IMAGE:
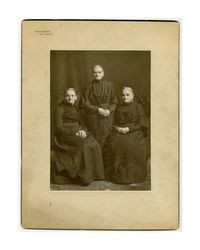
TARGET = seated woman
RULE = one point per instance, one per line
(77, 153)
(127, 161)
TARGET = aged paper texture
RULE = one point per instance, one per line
(44, 208)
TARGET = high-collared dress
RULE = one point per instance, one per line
(99, 94)
(128, 153)
(80, 158)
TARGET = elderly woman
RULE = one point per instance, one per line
(99, 102)
(127, 162)
(77, 153)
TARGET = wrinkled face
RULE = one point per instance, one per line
(71, 96)
(98, 73)
(127, 96)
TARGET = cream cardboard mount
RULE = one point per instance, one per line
(44, 208)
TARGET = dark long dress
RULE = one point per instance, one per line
(127, 161)
(80, 158)
(99, 94)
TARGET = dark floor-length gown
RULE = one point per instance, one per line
(99, 94)
(80, 158)
(127, 158)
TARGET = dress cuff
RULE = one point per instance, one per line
(112, 108)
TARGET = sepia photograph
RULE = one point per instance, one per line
(100, 120)
(100, 103)
(100, 124)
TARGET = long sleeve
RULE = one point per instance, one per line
(142, 121)
(97, 94)
(131, 116)
(112, 107)
(85, 102)
(134, 127)
(81, 120)
(113, 99)
(60, 129)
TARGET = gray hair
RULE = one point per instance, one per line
(128, 88)
(71, 89)
(97, 65)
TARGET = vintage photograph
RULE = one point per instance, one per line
(100, 120)
(100, 145)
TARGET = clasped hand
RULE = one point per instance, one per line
(104, 112)
(81, 133)
(122, 130)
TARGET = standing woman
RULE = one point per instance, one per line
(77, 153)
(127, 162)
(99, 102)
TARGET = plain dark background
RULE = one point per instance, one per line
(73, 69)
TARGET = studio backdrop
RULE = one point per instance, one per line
(122, 68)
